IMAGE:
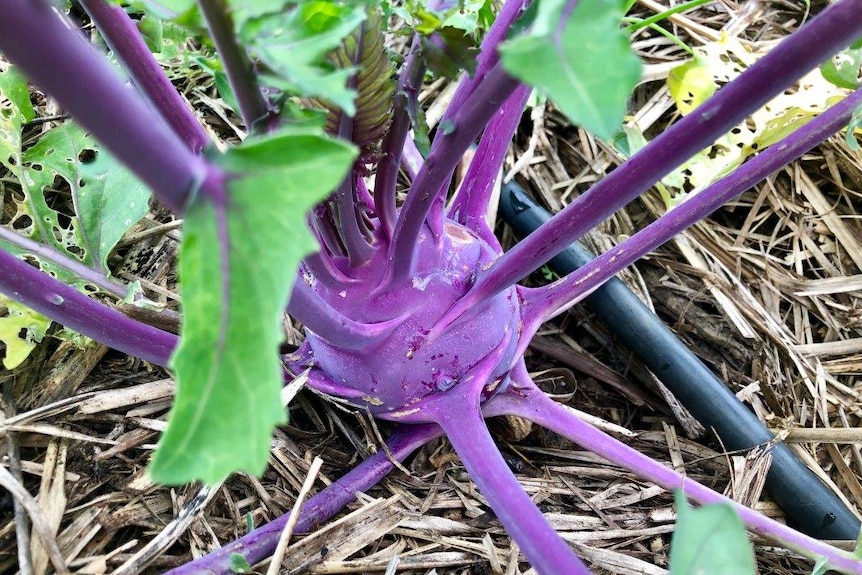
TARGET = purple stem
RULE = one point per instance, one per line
(542, 546)
(66, 305)
(471, 204)
(261, 543)
(324, 320)
(833, 29)
(48, 48)
(544, 303)
(449, 147)
(253, 107)
(488, 57)
(359, 251)
(406, 91)
(83, 271)
(125, 41)
(411, 159)
(524, 399)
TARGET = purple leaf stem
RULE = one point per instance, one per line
(406, 91)
(524, 399)
(835, 27)
(47, 253)
(321, 318)
(261, 543)
(452, 141)
(75, 310)
(35, 36)
(471, 204)
(488, 57)
(411, 159)
(546, 302)
(358, 249)
(320, 265)
(125, 41)
(542, 546)
(253, 107)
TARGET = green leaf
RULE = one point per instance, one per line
(852, 138)
(238, 260)
(457, 52)
(109, 201)
(238, 563)
(844, 69)
(50, 163)
(20, 329)
(14, 103)
(293, 44)
(583, 62)
(821, 567)
(690, 84)
(709, 540)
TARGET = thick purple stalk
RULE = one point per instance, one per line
(253, 107)
(406, 92)
(544, 303)
(832, 30)
(542, 546)
(46, 253)
(452, 141)
(470, 206)
(488, 56)
(66, 305)
(34, 36)
(524, 399)
(125, 41)
(261, 543)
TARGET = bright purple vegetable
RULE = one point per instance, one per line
(413, 312)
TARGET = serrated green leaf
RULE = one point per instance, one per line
(584, 63)
(20, 329)
(364, 52)
(109, 201)
(690, 85)
(237, 264)
(709, 540)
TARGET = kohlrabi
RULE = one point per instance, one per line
(410, 307)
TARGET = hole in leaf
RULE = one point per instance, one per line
(36, 167)
(87, 156)
(22, 222)
(76, 250)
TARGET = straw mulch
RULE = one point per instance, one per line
(768, 292)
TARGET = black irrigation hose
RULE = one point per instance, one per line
(808, 504)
